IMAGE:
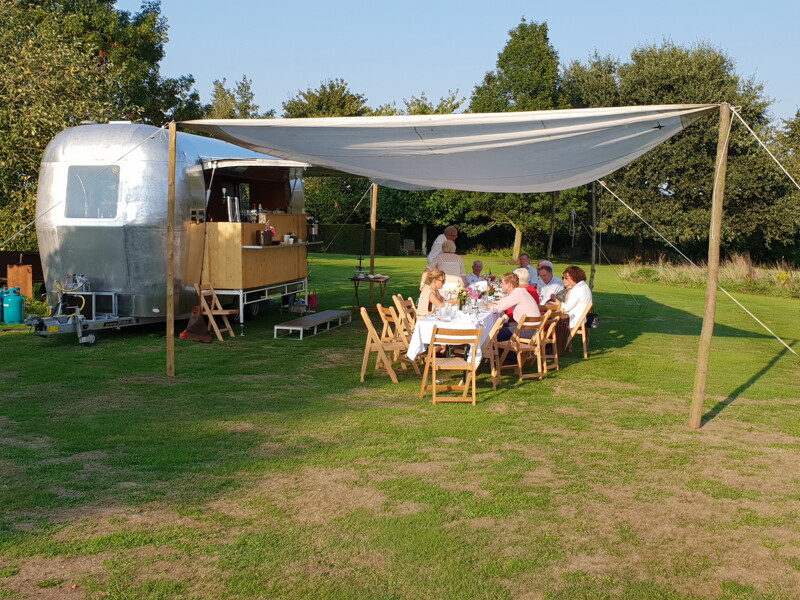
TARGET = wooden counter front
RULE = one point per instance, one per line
(229, 264)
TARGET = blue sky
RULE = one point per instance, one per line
(391, 51)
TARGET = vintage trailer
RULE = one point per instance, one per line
(102, 226)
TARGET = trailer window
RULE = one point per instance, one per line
(92, 192)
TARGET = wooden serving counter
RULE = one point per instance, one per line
(232, 261)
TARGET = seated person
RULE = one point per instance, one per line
(550, 287)
(451, 264)
(518, 299)
(431, 298)
(579, 294)
(523, 282)
(525, 263)
(544, 262)
(477, 267)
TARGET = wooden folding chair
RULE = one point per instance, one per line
(550, 343)
(492, 353)
(213, 309)
(395, 329)
(407, 310)
(374, 344)
(526, 342)
(580, 329)
(434, 364)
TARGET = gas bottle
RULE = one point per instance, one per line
(2, 293)
(13, 306)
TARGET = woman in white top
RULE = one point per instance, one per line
(579, 294)
(451, 264)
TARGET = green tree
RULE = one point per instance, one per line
(526, 78)
(594, 84)
(53, 82)
(238, 103)
(422, 106)
(72, 61)
(332, 98)
(129, 47)
(331, 199)
(671, 185)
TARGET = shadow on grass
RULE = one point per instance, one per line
(625, 317)
(108, 414)
(723, 404)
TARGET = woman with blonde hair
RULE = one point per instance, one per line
(431, 298)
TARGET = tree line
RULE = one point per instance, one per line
(73, 60)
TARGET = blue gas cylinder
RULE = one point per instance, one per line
(13, 306)
(2, 293)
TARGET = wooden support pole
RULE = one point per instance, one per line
(172, 161)
(594, 234)
(373, 224)
(552, 225)
(704, 350)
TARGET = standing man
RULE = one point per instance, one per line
(525, 263)
(549, 286)
(450, 233)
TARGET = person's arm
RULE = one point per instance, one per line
(505, 303)
(424, 278)
(571, 301)
(436, 299)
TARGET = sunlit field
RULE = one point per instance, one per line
(265, 469)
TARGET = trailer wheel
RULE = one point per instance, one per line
(251, 310)
(90, 339)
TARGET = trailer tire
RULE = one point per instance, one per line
(91, 339)
(251, 310)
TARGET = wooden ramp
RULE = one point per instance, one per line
(313, 323)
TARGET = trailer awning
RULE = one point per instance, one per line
(487, 152)
(253, 166)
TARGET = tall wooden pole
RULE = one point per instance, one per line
(173, 146)
(704, 351)
(552, 225)
(594, 234)
(373, 224)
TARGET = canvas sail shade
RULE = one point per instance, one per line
(514, 152)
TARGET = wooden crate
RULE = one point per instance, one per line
(21, 276)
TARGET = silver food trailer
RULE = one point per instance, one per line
(102, 226)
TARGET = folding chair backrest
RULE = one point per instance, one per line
(372, 334)
(393, 327)
(580, 323)
(407, 311)
(445, 335)
(529, 329)
(498, 325)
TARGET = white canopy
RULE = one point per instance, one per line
(492, 152)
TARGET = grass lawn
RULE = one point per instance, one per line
(264, 469)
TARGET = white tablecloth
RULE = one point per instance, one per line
(424, 330)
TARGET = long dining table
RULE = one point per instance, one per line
(423, 330)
